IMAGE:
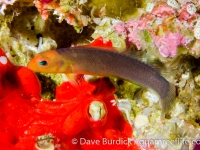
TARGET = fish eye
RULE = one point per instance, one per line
(43, 63)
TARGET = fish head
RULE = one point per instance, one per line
(50, 62)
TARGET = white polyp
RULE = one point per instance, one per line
(2, 8)
(197, 30)
(191, 9)
(45, 142)
(3, 60)
(81, 2)
(97, 20)
(183, 2)
(39, 44)
(10, 2)
(97, 110)
(152, 97)
(185, 76)
(149, 7)
(140, 121)
(179, 108)
(124, 105)
(173, 3)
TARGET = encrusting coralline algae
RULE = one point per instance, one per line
(162, 33)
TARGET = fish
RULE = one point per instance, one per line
(100, 61)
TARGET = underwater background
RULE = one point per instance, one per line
(162, 33)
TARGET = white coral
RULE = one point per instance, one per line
(197, 29)
(191, 9)
(179, 108)
(150, 7)
(3, 4)
(173, 4)
(10, 2)
(124, 105)
(140, 121)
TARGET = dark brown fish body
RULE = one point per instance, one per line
(109, 63)
(104, 62)
(97, 61)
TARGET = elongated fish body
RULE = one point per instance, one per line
(104, 62)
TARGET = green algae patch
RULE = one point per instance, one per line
(5, 31)
(117, 8)
(124, 89)
(147, 36)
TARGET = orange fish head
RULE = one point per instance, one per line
(50, 62)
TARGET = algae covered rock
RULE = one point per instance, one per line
(164, 34)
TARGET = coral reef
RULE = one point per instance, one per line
(162, 33)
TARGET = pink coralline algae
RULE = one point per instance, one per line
(184, 15)
(163, 27)
(163, 10)
(121, 28)
(168, 44)
(134, 38)
(131, 30)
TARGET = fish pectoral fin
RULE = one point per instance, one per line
(75, 79)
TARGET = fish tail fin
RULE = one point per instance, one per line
(168, 101)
